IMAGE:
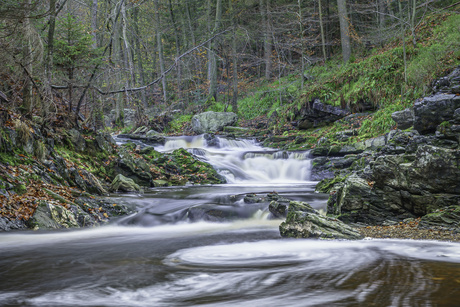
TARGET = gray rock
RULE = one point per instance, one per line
(77, 140)
(446, 218)
(404, 119)
(122, 183)
(49, 216)
(212, 121)
(431, 111)
(105, 142)
(304, 222)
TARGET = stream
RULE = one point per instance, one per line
(204, 246)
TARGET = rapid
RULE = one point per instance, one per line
(204, 246)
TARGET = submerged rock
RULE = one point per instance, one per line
(305, 222)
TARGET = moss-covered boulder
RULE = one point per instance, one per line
(303, 221)
(124, 184)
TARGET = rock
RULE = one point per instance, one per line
(457, 116)
(431, 111)
(160, 183)
(253, 198)
(121, 183)
(404, 119)
(394, 187)
(317, 114)
(141, 130)
(152, 133)
(7, 225)
(304, 222)
(77, 140)
(279, 210)
(446, 218)
(49, 216)
(105, 142)
(212, 121)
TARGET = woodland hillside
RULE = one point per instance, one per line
(87, 63)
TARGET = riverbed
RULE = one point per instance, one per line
(206, 246)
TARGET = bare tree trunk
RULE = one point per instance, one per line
(213, 67)
(234, 61)
(52, 27)
(403, 30)
(160, 49)
(93, 22)
(140, 64)
(323, 41)
(412, 22)
(302, 55)
(176, 36)
(264, 11)
(344, 30)
(27, 61)
(127, 47)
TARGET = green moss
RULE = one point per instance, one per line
(20, 189)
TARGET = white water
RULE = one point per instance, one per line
(245, 161)
(176, 251)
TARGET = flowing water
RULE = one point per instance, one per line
(203, 246)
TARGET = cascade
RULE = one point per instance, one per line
(244, 160)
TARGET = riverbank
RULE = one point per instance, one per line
(411, 231)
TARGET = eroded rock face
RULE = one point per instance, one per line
(432, 111)
(395, 187)
(304, 222)
(212, 121)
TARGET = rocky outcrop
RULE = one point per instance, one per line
(432, 111)
(304, 222)
(403, 174)
(319, 114)
(85, 212)
(212, 121)
(404, 119)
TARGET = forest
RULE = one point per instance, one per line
(229, 153)
(88, 61)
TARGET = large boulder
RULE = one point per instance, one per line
(122, 183)
(213, 121)
(304, 222)
(404, 119)
(431, 111)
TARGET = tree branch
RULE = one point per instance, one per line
(176, 60)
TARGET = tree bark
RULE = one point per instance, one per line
(264, 11)
(140, 64)
(213, 64)
(27, 61)
(234, 61)
(93, 22)
(160, 49)
(344, 30)
(176, 37)
(323, 41)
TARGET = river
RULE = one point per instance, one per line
(204, 246)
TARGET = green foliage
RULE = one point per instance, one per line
(381, 122)
(443, 48)
(177, 125)
(127, 129)
(73, 46)
(217, 106)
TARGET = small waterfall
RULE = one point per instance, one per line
(243, 160)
